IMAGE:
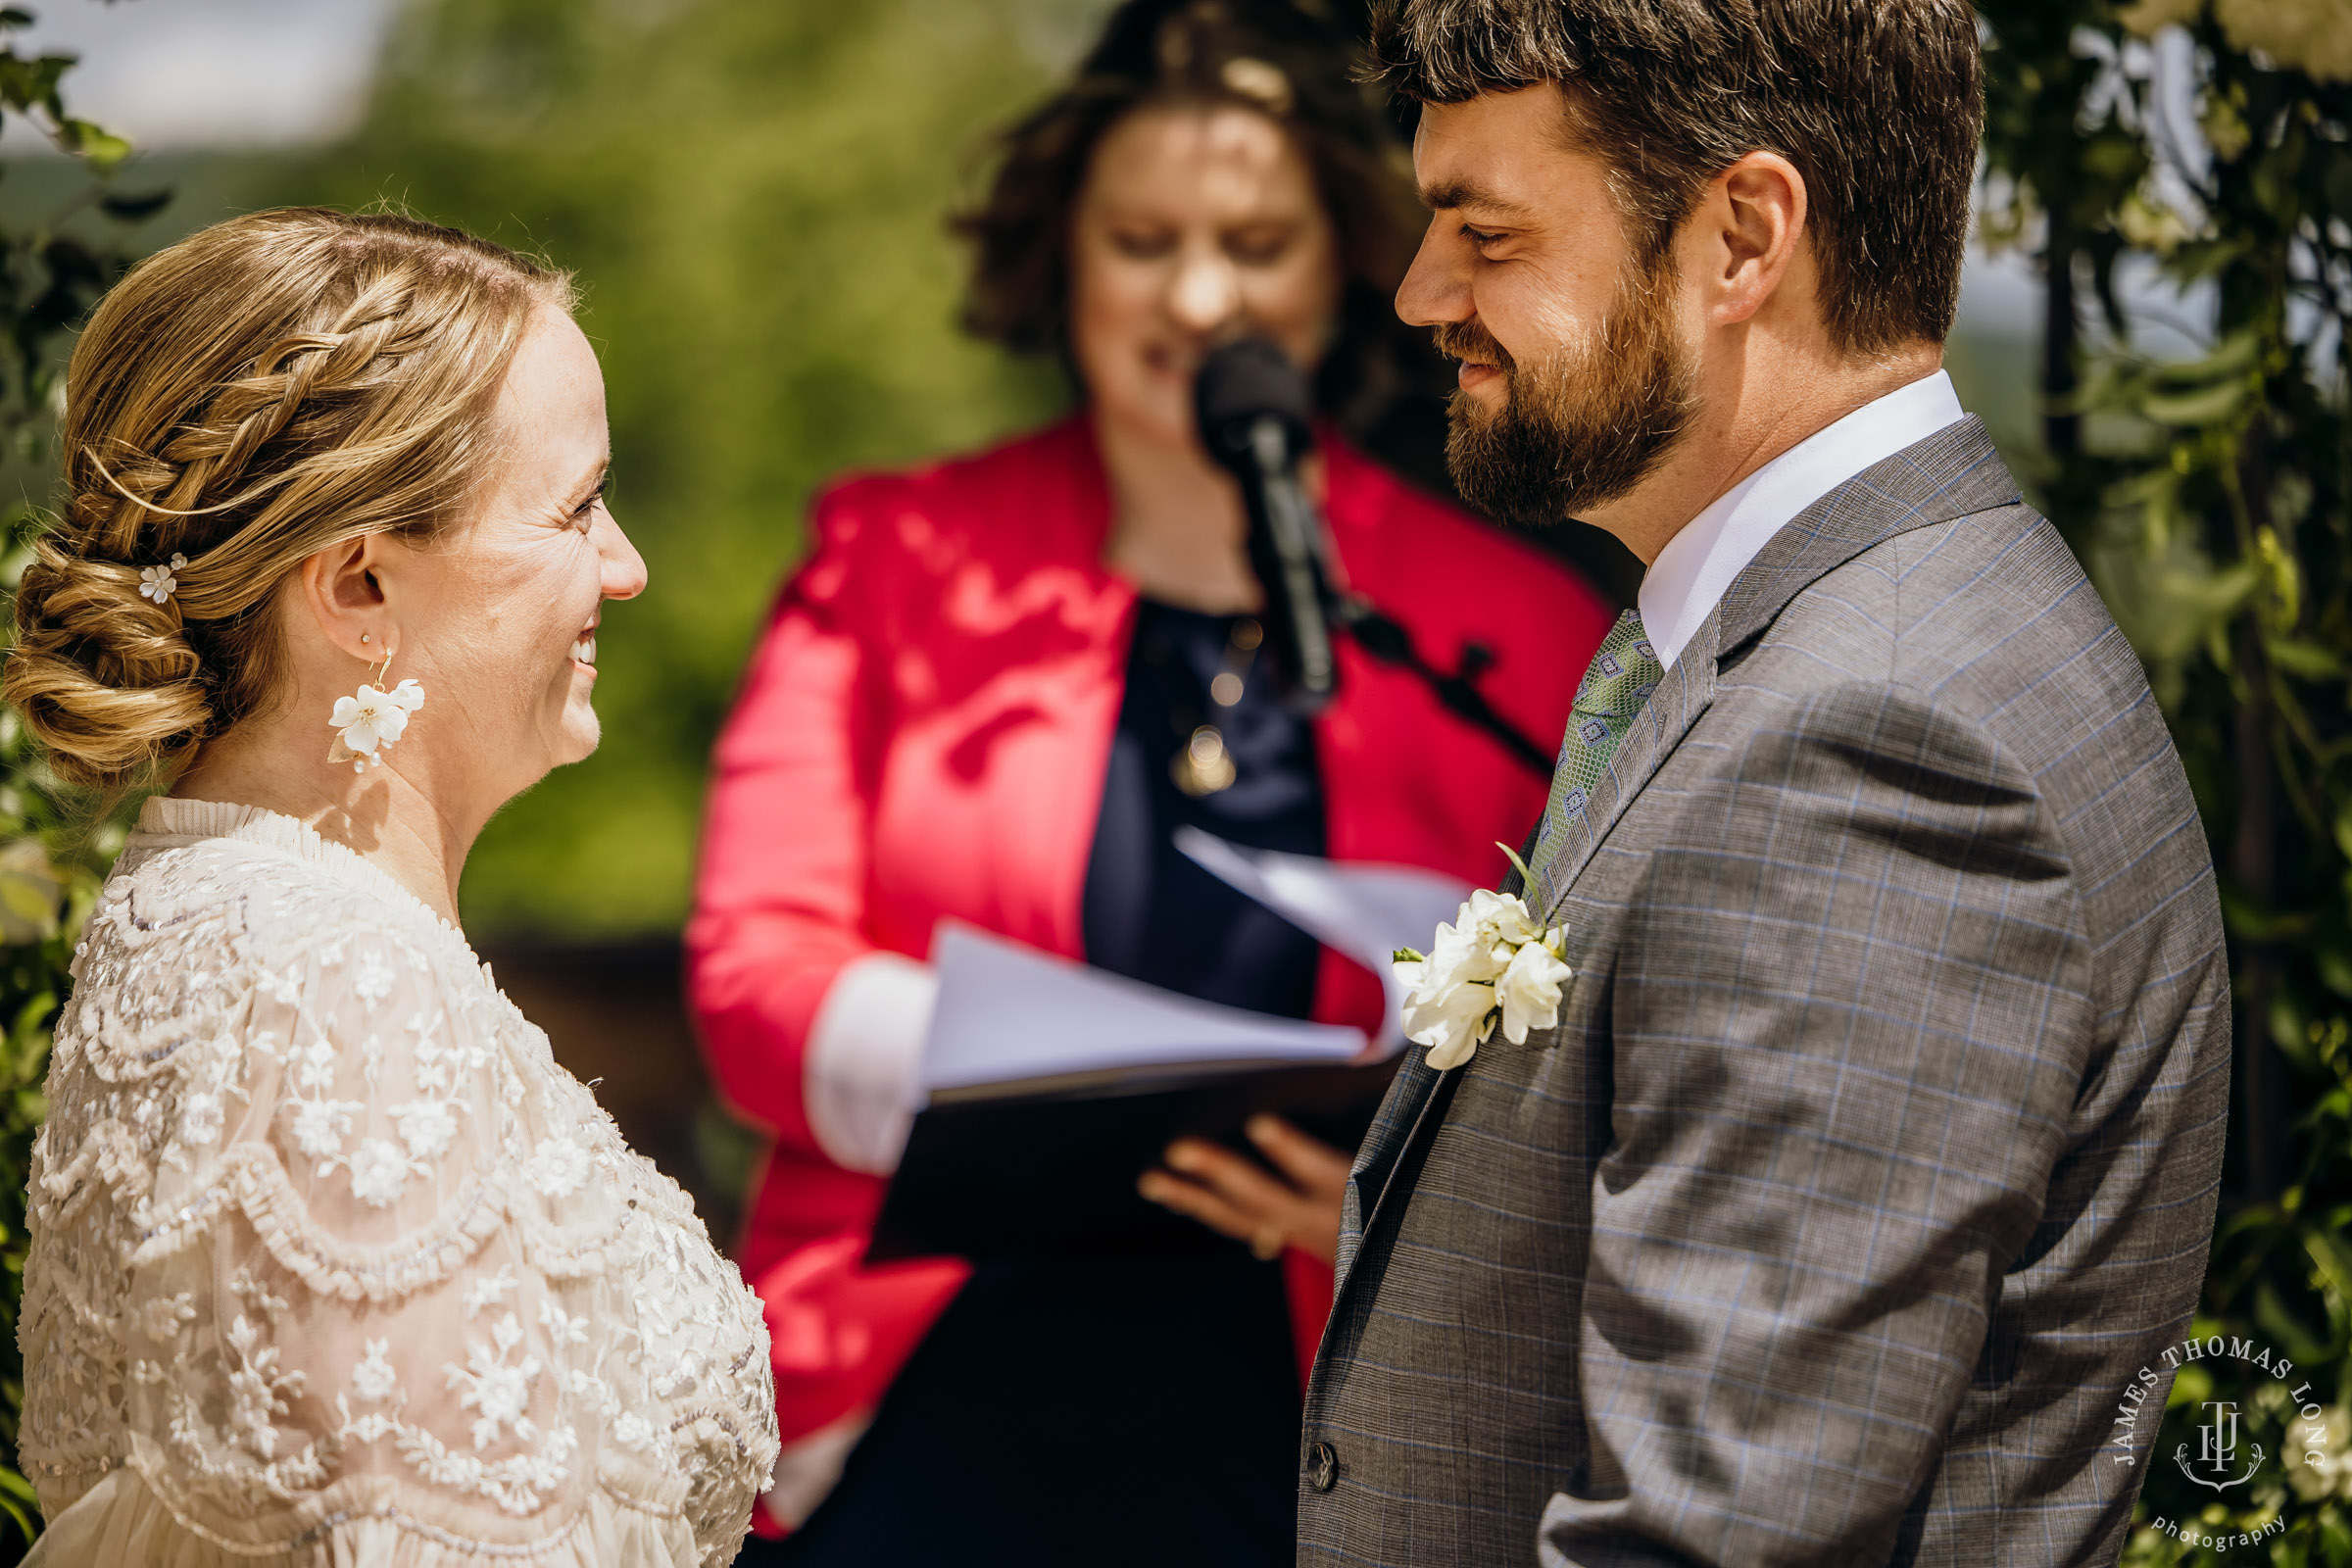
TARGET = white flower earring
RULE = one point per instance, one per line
(366, 724)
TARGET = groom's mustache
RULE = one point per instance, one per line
(1470, 340)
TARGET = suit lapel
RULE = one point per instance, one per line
(1391, 1129)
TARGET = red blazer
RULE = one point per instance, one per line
(924, 732)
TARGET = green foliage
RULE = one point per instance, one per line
(29, 85)
(51, 865)
(52, 860)
(754, 198)
(2210, 498)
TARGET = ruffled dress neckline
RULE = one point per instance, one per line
(170, 821)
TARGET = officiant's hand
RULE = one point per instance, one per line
(1229, 1192)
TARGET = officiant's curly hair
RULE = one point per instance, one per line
(1878, 103)
(1284, 60)
(264, 390)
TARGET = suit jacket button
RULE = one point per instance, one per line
(1322, 1467)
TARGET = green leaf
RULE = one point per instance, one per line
(30, 84)
(2170, 603)
(100, 146)
(20, 1516)
(2335, 969)
(2334, 1258)
(2305, 659)
(2284, 1330)
(2250, 922)
(2200, 406)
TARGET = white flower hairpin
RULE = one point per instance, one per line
(159, 583)
(1493, 965)
(366, 724)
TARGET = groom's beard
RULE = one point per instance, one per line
(1582, 425)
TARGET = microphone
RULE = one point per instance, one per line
(1255, 416)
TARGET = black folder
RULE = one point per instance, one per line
(1047, 1168)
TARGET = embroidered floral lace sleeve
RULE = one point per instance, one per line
(332, 1262)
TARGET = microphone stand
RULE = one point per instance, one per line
(1386, 640)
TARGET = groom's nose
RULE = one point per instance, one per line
(1437, 286)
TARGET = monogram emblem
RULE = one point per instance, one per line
(2216, 1450)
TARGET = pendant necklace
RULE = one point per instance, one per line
(1204, 764)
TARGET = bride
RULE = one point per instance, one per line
(331, 1263)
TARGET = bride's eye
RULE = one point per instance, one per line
(585, 514)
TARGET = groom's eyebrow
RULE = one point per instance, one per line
(1469, 196)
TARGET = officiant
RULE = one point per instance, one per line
(993, 691)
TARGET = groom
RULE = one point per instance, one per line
(1876, 1149)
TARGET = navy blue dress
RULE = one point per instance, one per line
(1141, 1411)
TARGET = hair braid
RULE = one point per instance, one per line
(265, 389)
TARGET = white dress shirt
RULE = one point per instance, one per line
(1692, 575)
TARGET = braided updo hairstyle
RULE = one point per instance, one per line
(266, 388)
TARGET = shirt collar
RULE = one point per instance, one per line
(1692, 575)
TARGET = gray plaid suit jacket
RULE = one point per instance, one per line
(1878, 1145)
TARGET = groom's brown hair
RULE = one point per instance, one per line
(1878, 103)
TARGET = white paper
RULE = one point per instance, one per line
(1009, 1013)
(1362, 911)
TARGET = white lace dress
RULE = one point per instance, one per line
(332, 1264)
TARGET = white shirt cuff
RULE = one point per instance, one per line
(865, 1058)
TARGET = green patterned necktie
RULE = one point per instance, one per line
(1618, 681)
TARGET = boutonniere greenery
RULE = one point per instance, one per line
(1493, 965)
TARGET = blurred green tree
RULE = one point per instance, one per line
(754, 196)
(54, 848)
(2210, 142)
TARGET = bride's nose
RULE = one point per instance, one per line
(624, 569)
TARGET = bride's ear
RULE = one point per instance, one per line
(343, 588)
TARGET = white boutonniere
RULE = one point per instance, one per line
(1491, 965)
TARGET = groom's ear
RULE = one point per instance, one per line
(1747, 233)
